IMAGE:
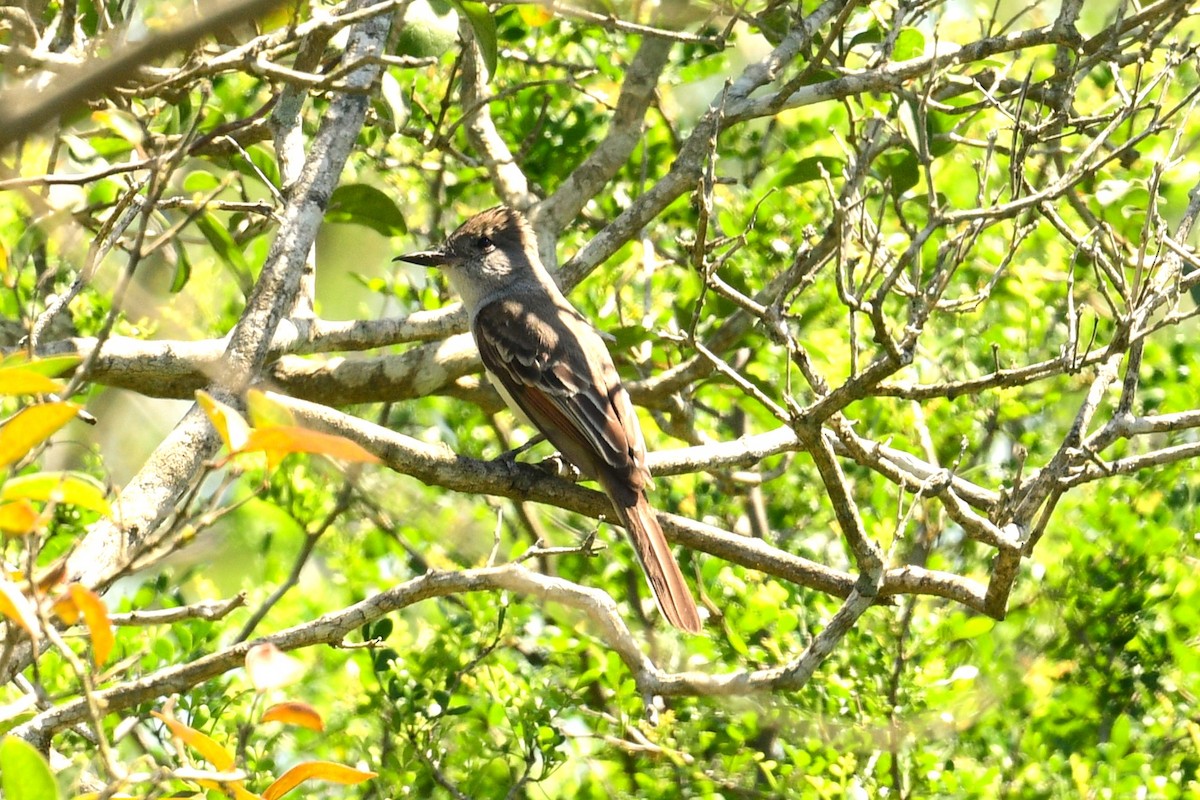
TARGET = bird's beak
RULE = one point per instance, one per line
(426, 258)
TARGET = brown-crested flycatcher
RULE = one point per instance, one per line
(553, 369)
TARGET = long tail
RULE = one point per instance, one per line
(671, 591)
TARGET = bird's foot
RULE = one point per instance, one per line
(510, 456)
(589, 546)
(559, 467)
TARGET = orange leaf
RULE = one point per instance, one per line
(30, 427)
(291, 439)
(66, 609)
(214, 753)
(270, 668)
(320, 770)
(295, 713)
(240, 792)
(18, 518)
(95, 617)
(16, 606)
(232, 429)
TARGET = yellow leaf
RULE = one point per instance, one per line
(534, 16)
(24, 374)
(283, 15)
(1080, 775)
(30, 427)
(230, 426)
(291, 439)
(213, 753)
(73, 488)
(295, 713)
(95, 617)
(121, 123)
(264, 412)
(21, 380)
(268, 667)
(50, 366)
(18, 518)
(16, 606)
(319, 770)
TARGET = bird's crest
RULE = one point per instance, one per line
(506, 227)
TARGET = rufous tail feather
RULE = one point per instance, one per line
(671, 591)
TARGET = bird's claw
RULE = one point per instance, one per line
(559, 467)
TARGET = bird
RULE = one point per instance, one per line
(554, 371)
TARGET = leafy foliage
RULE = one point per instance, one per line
(956, 284)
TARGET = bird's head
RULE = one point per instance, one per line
(489, 251)
(493, 241)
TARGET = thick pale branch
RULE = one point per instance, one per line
(153, 493)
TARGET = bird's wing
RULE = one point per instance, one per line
(557, 370)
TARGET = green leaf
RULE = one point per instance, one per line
(628, 337)
(901, 168)
(268, 166)
(774, 25)
(872, 35)
(360, 204)
(974, 627)
(122, 123)
(428, 30)
(24, 774)
(809, 169)
(183, 268)
(484, 26)
(910, 43)
(906, 117)
(224, 245)
(103, 192)
(110, 147)
(392, 95)
(938, 125)
(200, 181)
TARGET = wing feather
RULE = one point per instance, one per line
(558, 372)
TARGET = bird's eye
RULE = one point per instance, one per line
(484, 242)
